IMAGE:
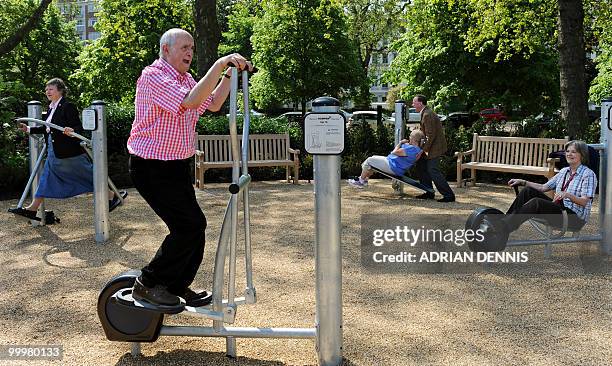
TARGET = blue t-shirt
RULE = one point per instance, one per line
(400, 164)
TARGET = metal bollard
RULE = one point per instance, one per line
(328, 248)
(100, 178)
(606, 164)
(400, 132)
(35, 146)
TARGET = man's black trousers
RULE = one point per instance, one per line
(167, 188)
(429, 170)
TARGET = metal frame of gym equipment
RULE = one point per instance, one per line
(605, 200)
(95, 149)
(328, 262)
(399, 132)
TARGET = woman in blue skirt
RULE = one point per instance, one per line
(68, 171)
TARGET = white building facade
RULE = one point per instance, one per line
(84, 12)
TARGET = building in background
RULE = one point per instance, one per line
(84, 12)
(379, 64)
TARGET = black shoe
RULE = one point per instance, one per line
(447, 199)
(116, 202)
(196, 299)
(157, 295)
(426, 196)
(28, 214)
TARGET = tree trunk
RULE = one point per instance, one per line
(14, 39)
(207, 34)
(572, 60)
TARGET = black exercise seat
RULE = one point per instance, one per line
(405, 180)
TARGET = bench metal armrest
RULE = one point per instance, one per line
(293, 151)
(552, 160)
(199, 154)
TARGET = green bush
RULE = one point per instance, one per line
(531, 127)
(361, 141)
(13, 144)
(592, 132)
(119, 120)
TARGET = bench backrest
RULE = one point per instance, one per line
(217, 148)
(515, 150)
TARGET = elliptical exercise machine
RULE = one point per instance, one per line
(124, 319)
(93, 119)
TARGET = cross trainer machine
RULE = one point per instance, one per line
(127, 320)
(94, 119)
(557, 235)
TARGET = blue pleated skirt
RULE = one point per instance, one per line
(63, 178)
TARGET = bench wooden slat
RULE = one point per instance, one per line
(265, 150)
(509, 154)
(508, 168)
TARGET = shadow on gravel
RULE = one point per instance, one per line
(190, 357)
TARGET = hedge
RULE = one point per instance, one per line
(360, 142)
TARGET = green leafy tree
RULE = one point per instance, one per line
(516, 26)
(302, 50)
(130, 32)
(240, 23)
(10, 37)
(372, 25)
(49, 50)
(601, 15)
(435, 57)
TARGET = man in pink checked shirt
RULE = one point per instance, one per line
(161, 142)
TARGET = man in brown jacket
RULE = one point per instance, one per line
(435, 146)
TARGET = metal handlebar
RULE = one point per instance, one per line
(53, 125)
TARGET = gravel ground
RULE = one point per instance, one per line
(548, 312)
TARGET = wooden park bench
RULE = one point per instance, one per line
(509, 155)
(269, 150)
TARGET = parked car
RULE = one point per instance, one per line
(297, 115)
(254, 113)
(413, 116)
(543, 119)
(293, 117)
(493, 115)
(465, 119)
(369, 117)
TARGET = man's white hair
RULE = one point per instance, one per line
(169, 38)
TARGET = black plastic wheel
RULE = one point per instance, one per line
(492, 242)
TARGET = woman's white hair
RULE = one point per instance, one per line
(169, 38)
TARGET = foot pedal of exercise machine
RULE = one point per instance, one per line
(124, 297)
(126, 323)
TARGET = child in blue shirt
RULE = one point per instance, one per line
(400, 160)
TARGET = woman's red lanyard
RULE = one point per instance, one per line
(564, 185)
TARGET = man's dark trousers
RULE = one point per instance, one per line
(429, 170)
(167, 188)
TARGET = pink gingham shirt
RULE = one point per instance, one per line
(162, 128)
